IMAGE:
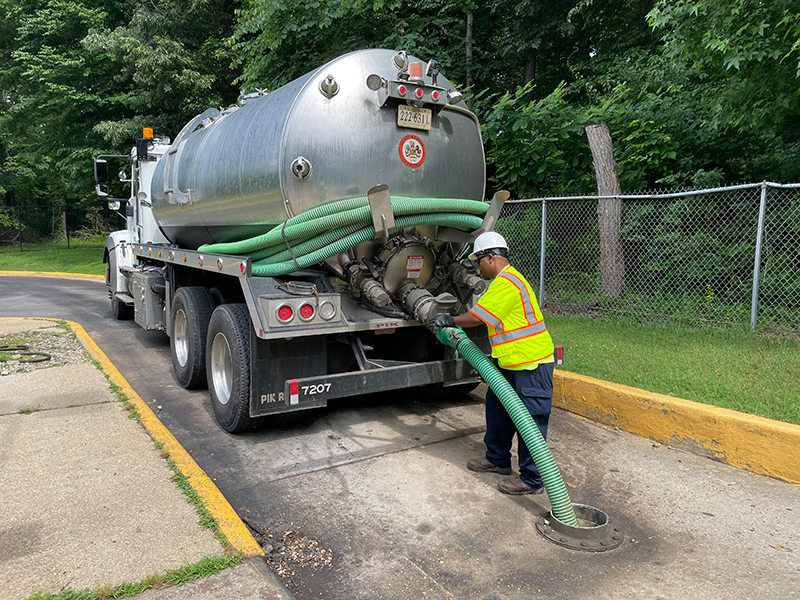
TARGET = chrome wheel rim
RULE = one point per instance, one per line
(221, 368)
(180, 338)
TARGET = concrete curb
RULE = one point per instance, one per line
(746, 441)
(229, 522)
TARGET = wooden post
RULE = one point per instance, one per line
(609, 211)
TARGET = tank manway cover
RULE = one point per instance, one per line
(594, 533)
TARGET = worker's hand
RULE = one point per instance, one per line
(442, 321)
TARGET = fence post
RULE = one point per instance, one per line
(541, 253)
(66, 223)
(757, 267)
(19, 222)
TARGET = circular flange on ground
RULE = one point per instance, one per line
(593, 534)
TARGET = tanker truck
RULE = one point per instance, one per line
(294, 246)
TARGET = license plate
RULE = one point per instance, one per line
(414, 117)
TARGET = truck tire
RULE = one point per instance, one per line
(120, 310)
(228, 368)
(191, 312)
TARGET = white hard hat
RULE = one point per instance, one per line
(487, 241)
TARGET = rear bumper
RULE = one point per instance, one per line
(312, 392)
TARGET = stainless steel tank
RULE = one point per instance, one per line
(233, 174)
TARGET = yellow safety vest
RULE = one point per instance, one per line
(517, 333)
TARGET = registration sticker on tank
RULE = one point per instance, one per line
(414, 117)
(412, 151)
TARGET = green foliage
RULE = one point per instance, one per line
(168, 63)
(537, 146)
(77, 80)
(278, 41)
(753, 45)
(695, 92)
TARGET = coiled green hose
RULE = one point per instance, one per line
(551, 476)
(325, 231)
(267, 268)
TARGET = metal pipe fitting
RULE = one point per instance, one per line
(462, 277)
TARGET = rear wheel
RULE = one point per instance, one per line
(191, 312)
(228, 367)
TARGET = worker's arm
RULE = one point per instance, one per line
(467, 320)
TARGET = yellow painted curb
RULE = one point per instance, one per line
(754, 443)
(53, 274)
(229, 522)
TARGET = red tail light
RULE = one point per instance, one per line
(306, 312)
(285, 313)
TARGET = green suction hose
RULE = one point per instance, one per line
(551, 476)
(264, 268)
(325, 231)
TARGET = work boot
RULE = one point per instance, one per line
(518, 487)
(482, 465)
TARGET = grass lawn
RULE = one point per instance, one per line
(75, 260)
(736, 369)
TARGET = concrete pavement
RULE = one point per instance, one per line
(87, 499)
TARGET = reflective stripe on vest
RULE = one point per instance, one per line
(527, 302)
(488, 318)
(518, 334)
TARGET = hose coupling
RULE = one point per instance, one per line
(351, 269)
(463, 277)
(375, 292)
(423, 305)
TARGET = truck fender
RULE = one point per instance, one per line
(117, 254)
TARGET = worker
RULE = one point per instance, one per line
(523, 349)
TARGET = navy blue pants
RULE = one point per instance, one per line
(535, 389)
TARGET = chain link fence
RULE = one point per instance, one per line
(24, 228)
(727, 256)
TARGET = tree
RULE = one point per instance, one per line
(609, 211)
(77, 80)
(170, 62)
(278, 41)
(754, 45)
(45, 111)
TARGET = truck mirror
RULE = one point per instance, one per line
(113, 204)
(101, 176)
